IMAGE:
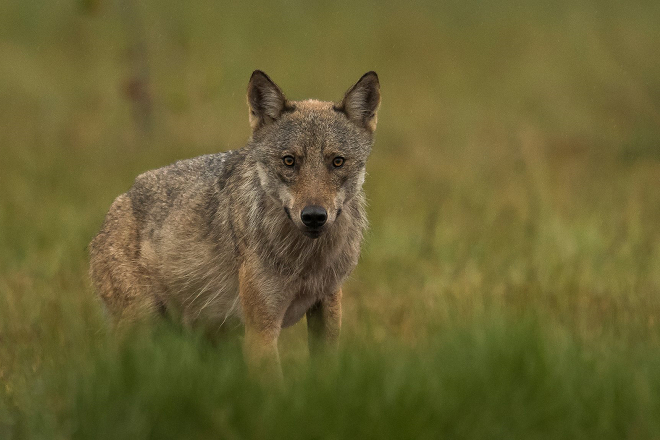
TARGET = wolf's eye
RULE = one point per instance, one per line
(338, 161)
(288, 161)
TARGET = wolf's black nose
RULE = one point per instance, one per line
(314, 216)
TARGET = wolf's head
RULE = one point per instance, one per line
(310, 155)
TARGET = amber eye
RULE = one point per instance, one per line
(338, 161)
(288, 161)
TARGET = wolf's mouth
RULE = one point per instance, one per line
(311, 233)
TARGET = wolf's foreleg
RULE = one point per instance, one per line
(263, 323)
(324, 323)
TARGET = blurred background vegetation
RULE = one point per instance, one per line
(509, 285)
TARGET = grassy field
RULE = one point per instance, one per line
(509, 286)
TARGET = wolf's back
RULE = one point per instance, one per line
(156, 193)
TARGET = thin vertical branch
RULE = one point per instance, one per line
(137, 86)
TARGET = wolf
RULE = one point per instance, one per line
(262, 235)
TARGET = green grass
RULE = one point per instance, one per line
(509, 285)
(493, 379)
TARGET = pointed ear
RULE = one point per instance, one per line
(361, 101)
(265, 99)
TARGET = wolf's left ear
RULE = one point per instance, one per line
(266, 100)
(361, 101)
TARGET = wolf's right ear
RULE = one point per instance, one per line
(265, 99)
(361, 101)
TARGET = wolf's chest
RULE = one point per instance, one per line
(308, 290)
(297, 309)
